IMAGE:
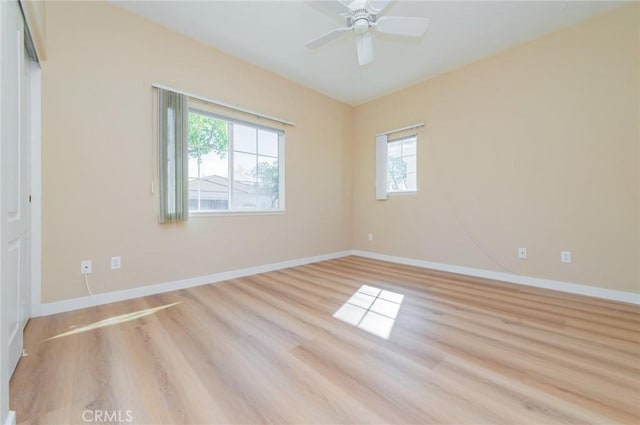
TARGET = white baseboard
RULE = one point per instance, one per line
(11, 418)
(127, 294)
(141, 291)
(573, 288)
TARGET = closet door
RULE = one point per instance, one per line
(14, 205)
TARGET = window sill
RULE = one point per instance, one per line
(202, 214)
(403, 193)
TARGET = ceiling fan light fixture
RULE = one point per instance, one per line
(361, 26)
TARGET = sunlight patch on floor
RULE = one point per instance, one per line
(371, 309)
(114, 320)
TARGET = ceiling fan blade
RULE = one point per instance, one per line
(325, 38)
(401, 25)
(377, 6)
(335, 6)
(364, 45)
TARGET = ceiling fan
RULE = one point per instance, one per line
(362, 17)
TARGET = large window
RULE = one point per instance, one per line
(401, 165)
(233, 165)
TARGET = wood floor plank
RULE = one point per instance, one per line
(268, 349)
(506, 313)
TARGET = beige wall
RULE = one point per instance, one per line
(536, 147)
(98, 159)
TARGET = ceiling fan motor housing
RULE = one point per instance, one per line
(361, 20)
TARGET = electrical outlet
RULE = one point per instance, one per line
(86, 266)
(565, 256)
(522, 253)
(370, 236)
(116, 263)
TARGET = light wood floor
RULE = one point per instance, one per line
(266, 349)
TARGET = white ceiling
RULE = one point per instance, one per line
(272, 34)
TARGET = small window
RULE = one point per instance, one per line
(401, 165)
(234, 166)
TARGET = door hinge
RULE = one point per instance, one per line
(29, 198)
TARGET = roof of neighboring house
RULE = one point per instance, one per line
(217, 187)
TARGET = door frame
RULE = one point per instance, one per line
(35, 243)
(7, 10)
(7, 416)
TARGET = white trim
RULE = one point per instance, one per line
(36, 188)
(141, 291)
(402, 193)
(224, 105)
(127, 294)
(213, 213)
(397, 130)
(11, 418)
(573, 288)
(282, 166)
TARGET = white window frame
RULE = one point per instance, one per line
(281, 169)
(382, 151)
(407, 191)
